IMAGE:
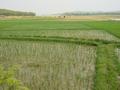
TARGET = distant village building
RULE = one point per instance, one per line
(61, 17)
(2, 16)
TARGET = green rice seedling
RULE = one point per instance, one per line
(71, 34)
(8, 80)
(117, 53)
(50, 66)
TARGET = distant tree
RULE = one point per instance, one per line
(90, 13)
(15, 13)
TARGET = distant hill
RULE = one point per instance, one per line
(90, 13)
(6, 12)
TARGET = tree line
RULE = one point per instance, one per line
(5, 12)
(90, 13)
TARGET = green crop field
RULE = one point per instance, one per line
(58, 54)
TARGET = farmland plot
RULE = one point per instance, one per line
(50, 66)
(79, 34)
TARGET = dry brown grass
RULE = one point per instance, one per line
(92, 17)
(66, 18)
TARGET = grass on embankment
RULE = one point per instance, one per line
(90, 42)
(107, 69)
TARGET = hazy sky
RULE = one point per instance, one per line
(41, 7)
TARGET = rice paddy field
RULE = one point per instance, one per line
(45, 66)
(54, 54)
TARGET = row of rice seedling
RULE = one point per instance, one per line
(118, 53)
(79, 34)
(50, 66)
